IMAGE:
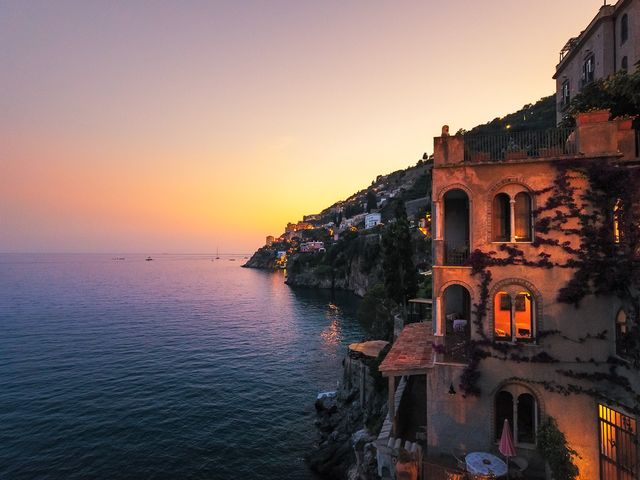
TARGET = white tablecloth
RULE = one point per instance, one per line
(481, 463)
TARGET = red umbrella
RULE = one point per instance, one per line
(507, 448)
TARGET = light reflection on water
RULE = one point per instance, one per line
(176, 368)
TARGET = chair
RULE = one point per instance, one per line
(459, 456)
(517, 465)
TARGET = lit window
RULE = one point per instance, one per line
(617, 234)
(513, 316)
(624, 28)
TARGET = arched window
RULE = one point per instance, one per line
(504, 410)
(501, 218)
(623, 337)
(624, 28)
(526, 412)
(516, 404)
(624, 64)
(513, 315)
(523, 217)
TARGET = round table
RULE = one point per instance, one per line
(482, 463)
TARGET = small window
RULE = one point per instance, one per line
(624, 65)
(513, 317)
(623, 337)
(624, 28)
(566, 93)
(617, 234)
(588, 70)
(501, 218)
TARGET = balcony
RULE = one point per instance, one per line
(456, 254)
(457, 324)
(553, 142)
(456, 228)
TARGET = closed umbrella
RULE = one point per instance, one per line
(507, 448)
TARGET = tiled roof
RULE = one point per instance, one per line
(412, 353)
(369, 349)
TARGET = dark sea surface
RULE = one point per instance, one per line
(181, 367)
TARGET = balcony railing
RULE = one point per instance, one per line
(456, 348)
(519, 145)
(455, 254)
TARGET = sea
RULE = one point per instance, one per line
(182, 367)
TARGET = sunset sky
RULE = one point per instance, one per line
(182, 126)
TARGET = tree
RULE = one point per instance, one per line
(619, 93)
(372, 201)
(400, 273)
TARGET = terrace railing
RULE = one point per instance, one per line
(519, 145)
(456, 254)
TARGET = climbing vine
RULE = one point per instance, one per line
(590, 219)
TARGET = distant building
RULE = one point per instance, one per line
(296, 227)
(270, 240)
(312, 218)
(610, 43)
(308, 247)
(371, 220)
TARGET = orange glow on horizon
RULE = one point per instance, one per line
(134, 129)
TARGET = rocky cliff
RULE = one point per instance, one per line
(349, 419)
(355, 265)
(264, 258)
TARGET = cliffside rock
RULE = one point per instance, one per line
(264, 258)
(355, 267)
(348, 422)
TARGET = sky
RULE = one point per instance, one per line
(190, 126)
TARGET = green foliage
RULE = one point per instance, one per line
(374, 314)
(421, 188)
(374, 370)
(619, 93)
(372, 202)
(353, 209)
(400, 274)
(538, 116)
(553, 447)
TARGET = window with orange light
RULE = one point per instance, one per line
(513, 316)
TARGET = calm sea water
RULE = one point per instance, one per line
(182, 367)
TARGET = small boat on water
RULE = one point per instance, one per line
(148, 259)
(232, 259)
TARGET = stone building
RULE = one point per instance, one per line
(502, 345)
(611, 42)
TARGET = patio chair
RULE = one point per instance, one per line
(517, 466)
(459, 455)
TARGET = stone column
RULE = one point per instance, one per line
(512, 219)
(439, 210)
(439, 330)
